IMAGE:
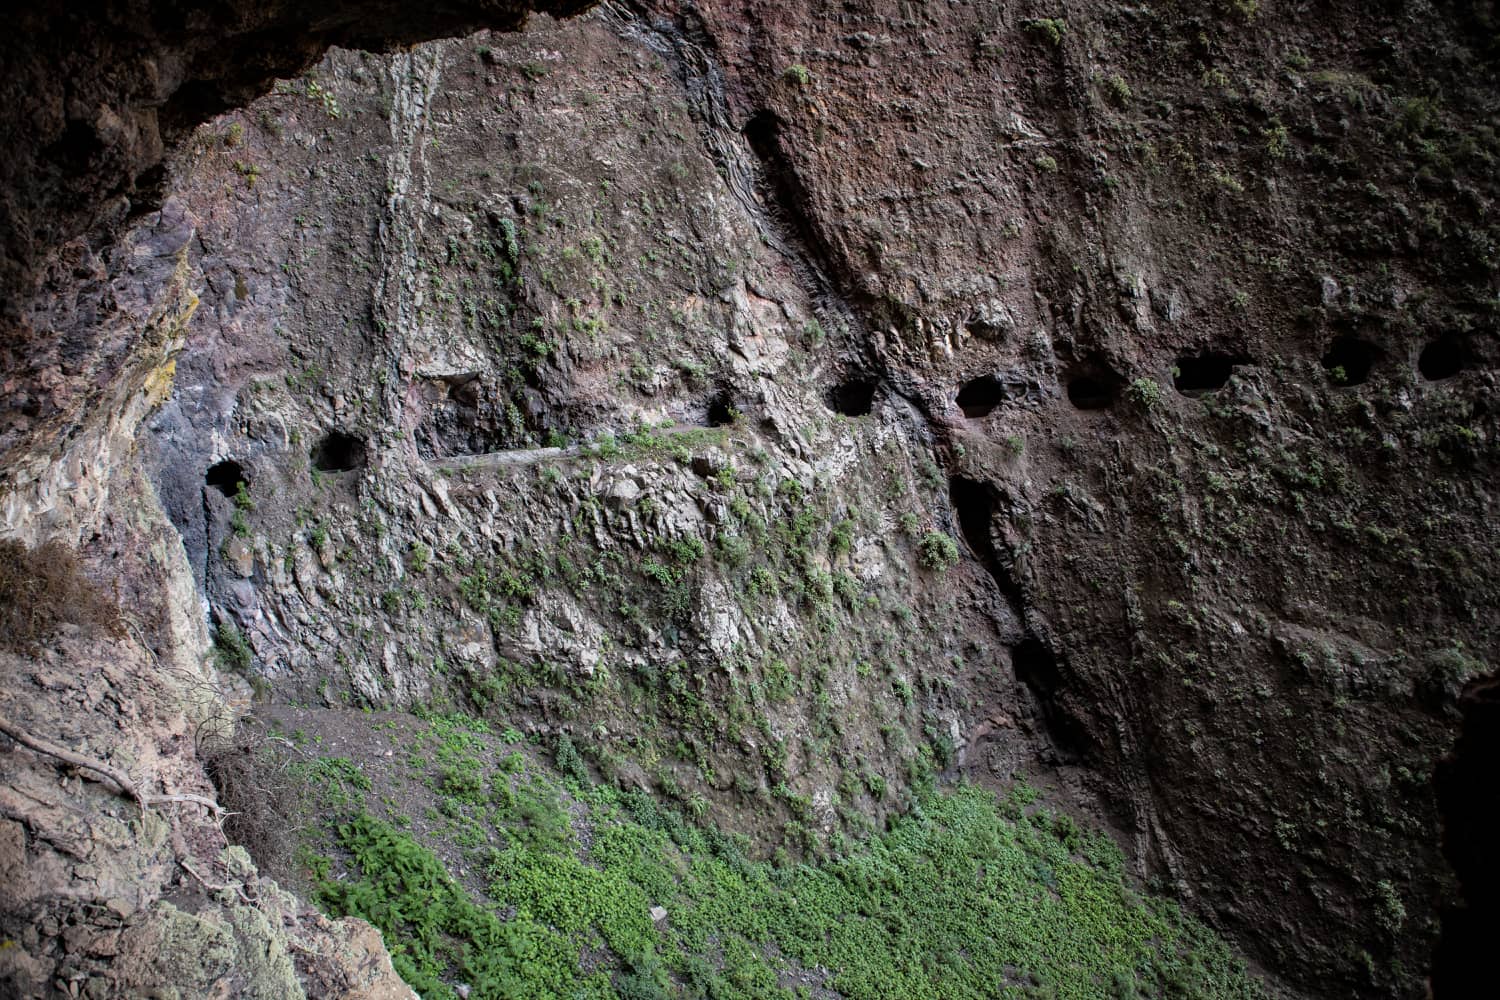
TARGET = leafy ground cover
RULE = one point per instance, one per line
(968, 895)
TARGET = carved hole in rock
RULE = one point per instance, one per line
(853, 397)
(1204, 372)
(226, 477)
(1350, 359)
(338, 452)
(1036, 667)
(979, 396)
(1443, 358)
(721, 409)
(1092, 392)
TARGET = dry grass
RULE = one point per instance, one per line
(264, 792)
(44, 587)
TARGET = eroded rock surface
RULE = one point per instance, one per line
(639, 378)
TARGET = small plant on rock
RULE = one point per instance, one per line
(1144, 392)
(1047, 29)
(937, 552)
(797, 74)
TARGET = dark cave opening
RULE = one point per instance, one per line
(338, 452)
(1036, 667)
(721, 410)
(1091, 392)
(1443, 358)
(853, 397)
(226, 477)
(1350, 359)
(1470, 817)
(975, 504)
(978, 397)
(1205, 372)
(763, 132)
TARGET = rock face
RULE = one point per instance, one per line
(94, 96)
(752, 391)
(97, 92)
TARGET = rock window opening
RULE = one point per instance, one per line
(979, 396)
(721, 411)
(338, 452)
(1088, 392)
(226, 477)
(1036, 667)
(1203, 372)
(1349, 360)
(1443, 358)
(853, 397)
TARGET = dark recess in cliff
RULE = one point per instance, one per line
(974, 502)
(226, 477)
(1350, 360)
(978, 397)
(853, 397)
(1093, 391)
(1466, 786)
(1036, 666)
(1200, 373)
(1443, 358)
(721, 409)
(339, 452)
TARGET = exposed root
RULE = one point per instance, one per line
(127, 786)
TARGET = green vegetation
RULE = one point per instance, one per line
(965, 897)
(1048, 29)
(797, 74)
(230, 648)
(238, 521)
(420, 556)
(1144, 393)
(937, 551)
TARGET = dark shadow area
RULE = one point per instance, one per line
(1350, 359)
(1443, 358)
(721, 411)
(1036, 666)
(226, 477)
(978, 397)
(465, 415)
(785, 193)
(1092, 392)
(1470, 812)
(853, 397)
(1204, 372)
(975, 503)
(338, 452)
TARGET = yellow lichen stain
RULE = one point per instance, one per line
(158, 385)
